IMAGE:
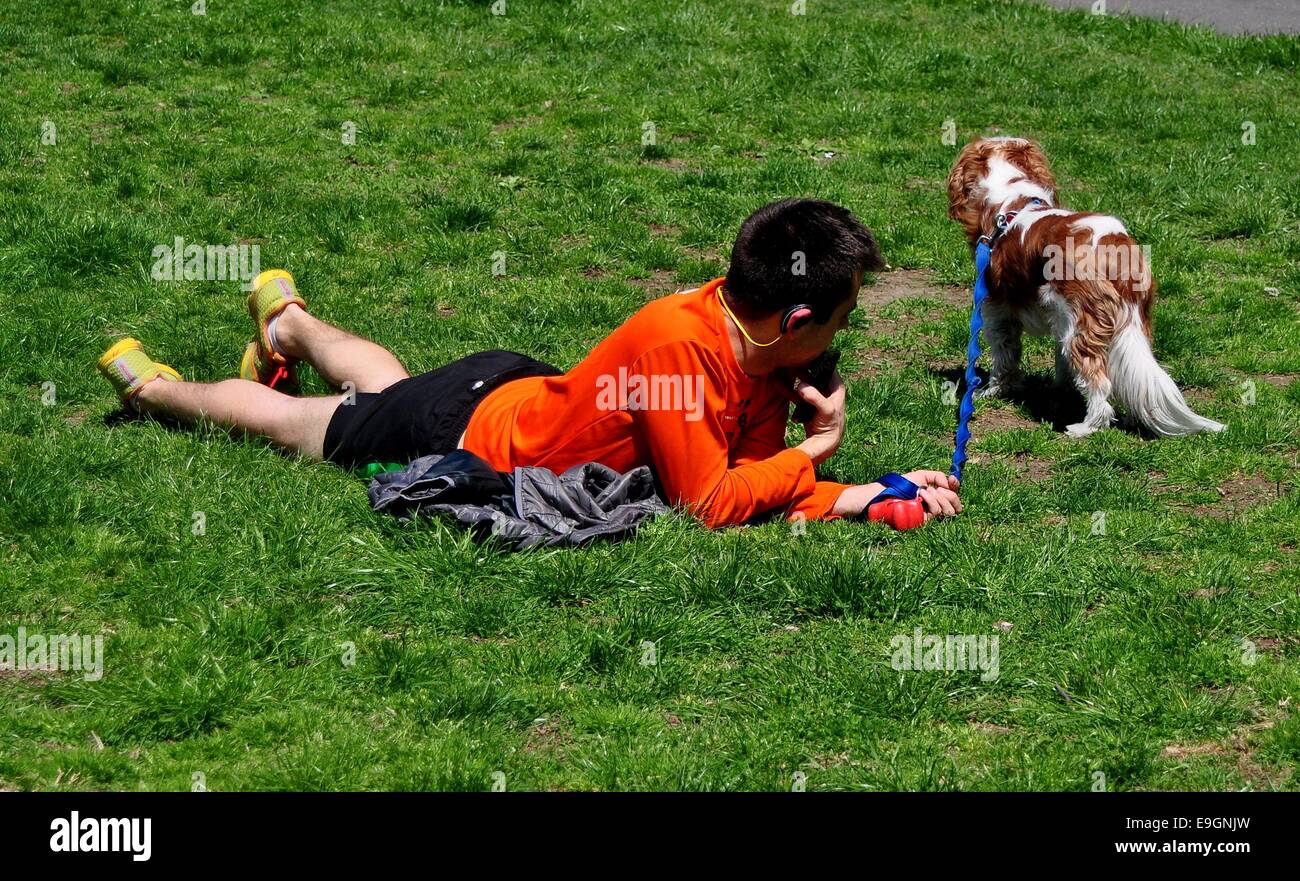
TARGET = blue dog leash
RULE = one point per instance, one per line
(896, 487)
(983, 251)
(899, 487)
(983, 254)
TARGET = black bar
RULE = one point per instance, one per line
(302, 830)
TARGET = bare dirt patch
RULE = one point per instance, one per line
(910, 284)
(716, 254)
(1239, 745)
(996, 418)
(1268, 644)
(874, 361)
(1182, 751)
(1037, 470)
(1240, 493)
(1236, 495)
(30, 677)
(827, 762)
(1027, 466)
(547, 736)
(102, 131)
(502, 127)
(988, 728)
(660, 282)
(902, 285)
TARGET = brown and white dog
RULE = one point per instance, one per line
(1077, 276)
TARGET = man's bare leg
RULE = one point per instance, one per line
(338, 356)
(297, 424)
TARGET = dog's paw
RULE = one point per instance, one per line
(1080, 429)
(992, 390)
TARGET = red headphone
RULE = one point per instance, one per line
(795, 317)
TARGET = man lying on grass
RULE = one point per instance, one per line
(727, 352)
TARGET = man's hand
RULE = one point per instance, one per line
(826, 429)
(938, 493)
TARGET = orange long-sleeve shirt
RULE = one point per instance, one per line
(663, 390)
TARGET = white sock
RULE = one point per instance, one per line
(270, 335)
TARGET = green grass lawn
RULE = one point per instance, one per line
(302, 641)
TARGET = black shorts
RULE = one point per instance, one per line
(424, 414)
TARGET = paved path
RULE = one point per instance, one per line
(1228, 16)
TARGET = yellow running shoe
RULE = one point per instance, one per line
(273, 291)
(128, 369)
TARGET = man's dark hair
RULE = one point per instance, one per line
(799, 251)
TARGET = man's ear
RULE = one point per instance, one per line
(795, 318)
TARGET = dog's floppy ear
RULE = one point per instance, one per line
(1030, 158)
(971, 164)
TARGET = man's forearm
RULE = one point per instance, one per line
(854, 500)
(818, 449)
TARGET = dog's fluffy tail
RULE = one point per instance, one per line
(1142, 385)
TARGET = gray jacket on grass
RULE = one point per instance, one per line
(531, 507)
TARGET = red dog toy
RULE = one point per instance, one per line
(898, 505)
(898, 513)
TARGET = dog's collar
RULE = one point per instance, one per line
(1003, 222)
